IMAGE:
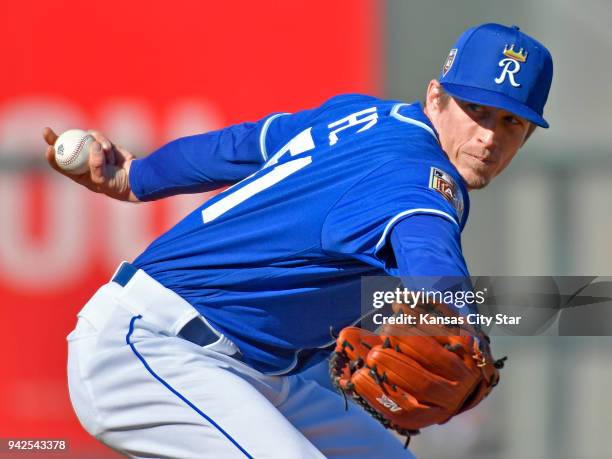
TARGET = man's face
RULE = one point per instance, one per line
(479, 140)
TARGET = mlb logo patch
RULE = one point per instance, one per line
(444, 184)
(449, 61)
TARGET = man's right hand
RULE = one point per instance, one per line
(109, 167)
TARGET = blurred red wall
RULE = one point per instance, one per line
(142, 72)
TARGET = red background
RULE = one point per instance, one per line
(228, 61)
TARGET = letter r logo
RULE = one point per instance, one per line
(510, 72)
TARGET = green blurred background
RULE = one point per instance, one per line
(550, 213)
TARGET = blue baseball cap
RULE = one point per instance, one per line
(502, 67)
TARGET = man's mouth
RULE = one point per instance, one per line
(484, 159)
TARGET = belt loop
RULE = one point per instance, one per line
(124, 273)
(142, 294)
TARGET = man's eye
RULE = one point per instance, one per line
(513, 120)
(476, 108)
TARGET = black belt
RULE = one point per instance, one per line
(196, 330)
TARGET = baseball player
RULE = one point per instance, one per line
(206, 344)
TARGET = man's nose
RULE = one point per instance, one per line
(487, 136)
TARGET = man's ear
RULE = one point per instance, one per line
(434, 93)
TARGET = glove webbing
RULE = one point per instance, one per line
(337, 363)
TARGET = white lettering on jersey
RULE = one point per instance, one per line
(370, 119)
(299, 144)
(506, 63)
(265, 181)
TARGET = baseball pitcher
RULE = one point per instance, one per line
(206, 344)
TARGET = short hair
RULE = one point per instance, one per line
(443, 98)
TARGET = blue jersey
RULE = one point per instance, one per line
(275, 260)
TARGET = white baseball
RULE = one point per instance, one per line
(72, 151)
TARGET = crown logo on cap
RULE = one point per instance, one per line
(520, 55)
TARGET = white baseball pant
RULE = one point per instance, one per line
(145, 392)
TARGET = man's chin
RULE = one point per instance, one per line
(474, 181)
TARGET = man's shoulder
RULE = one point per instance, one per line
(351, 98)
(387, 106)
(352, 102)
(397, 121)
(387, 133)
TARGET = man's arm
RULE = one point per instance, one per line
(428, 245)
(427, 252)
(198, 163)
(192, 164)
(418, 373)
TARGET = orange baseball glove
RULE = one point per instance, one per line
(413, 376)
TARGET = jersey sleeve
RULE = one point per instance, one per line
(211, 160)
(360, 224)
(428, 257)
(426, 245)
(198, 163)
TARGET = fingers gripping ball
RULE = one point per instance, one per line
(409, 381)
(72, 151)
